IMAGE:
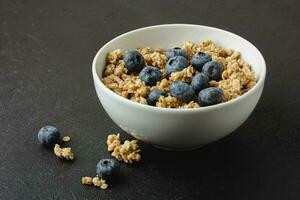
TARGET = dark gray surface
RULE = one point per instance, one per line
(46, 50)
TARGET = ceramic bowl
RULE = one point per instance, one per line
(178, 129)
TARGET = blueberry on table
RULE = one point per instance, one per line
(199, 59)
(175, 64)
(210, 96)
(150, 75)
(213, 70)
(177, 51)
(134, 61)
(182, 91)
(108, 169)
(48, 136)
(200, 82)
(154, 96)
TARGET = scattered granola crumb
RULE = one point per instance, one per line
(96, 181)
(66, 139)
(63, 152)
(113, 140)
(87, 180)
(128, 151)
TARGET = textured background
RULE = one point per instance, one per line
(46, 51)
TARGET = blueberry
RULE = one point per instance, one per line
(199, 59)
(210, 96)
(200, 82)
(182, 91)
(108, 169)
(134, 61)
(176, 63)
(213, 70)
(150, 75)
(154, 96)
(177, 51)
(48, 136)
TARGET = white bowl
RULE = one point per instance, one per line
(179, 129)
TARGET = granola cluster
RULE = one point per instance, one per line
(66, 138)
(162, 85)
(155, 58)
(186, 75)
(96, 181)
(237, 77)
(168, 102)
(172, 102)
(128, 151)
(63, 152)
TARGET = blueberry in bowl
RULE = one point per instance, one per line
(213, 70)
(199, 82)
(182, 91)
(150, 75)
(154, 96)
(175, 64)
(134, 61)
(210, 96)
(176, 51)
(199, 59)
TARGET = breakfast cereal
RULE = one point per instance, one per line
(236, 76)
(128, 151)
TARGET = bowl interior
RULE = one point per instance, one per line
(169, 36)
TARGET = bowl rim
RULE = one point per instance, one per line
(259, 83)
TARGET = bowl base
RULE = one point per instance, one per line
(178, 149)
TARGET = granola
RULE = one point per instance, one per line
(100, 183)
(191, 104)
(162, 85)
(66, 138)
(237, 77)
(128, 86)
(168, 102)
(128, 151)
(87, 180)
(154, 58)
(63, 152)
(96, 181)
(113, 140)
(186, 75)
